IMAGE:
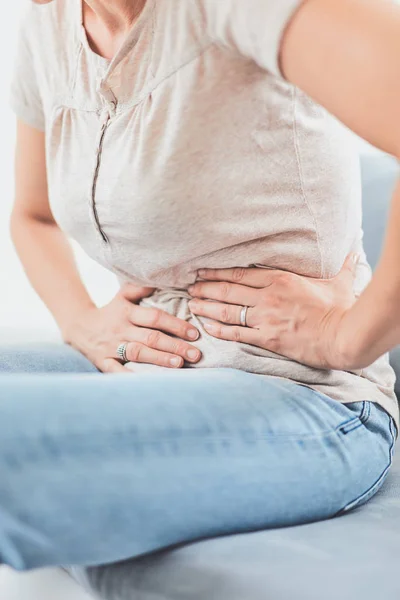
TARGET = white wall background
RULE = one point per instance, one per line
(19, 305)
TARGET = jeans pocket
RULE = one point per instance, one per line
(361, 412)
(375, 487)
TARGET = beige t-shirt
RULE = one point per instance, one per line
(189, 150)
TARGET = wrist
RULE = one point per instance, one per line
(341, 352)
(72, 325)
(349, 345)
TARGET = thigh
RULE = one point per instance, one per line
(43, 358)
(97, 469)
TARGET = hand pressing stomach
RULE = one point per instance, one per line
(149, 335)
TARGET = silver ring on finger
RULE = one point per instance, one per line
(243, 316)
(121, 352)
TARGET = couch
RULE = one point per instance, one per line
(352, 557)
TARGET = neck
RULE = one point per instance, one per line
(117, 16)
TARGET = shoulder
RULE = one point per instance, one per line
(254, 28)
(48, 41)
(179, 30)
(181, 16)
(47, 26)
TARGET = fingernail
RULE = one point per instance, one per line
(193, 334)
(175, 362)
(193, 354)
(191, 289)
(202, 272)
(209, 327)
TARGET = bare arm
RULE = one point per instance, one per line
(346, 55)
(42, 247)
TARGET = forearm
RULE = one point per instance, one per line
(50, 266)
(372, 326)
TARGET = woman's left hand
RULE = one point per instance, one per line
(297, 317)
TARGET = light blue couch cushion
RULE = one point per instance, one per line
(354, 557)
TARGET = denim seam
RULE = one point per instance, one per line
(359, 420)
(365, 412)
(354, 503)
(191, 439)
(351, 426)
(393, 432)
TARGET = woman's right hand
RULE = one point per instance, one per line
(153, 336)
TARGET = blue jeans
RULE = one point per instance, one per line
(100, 468)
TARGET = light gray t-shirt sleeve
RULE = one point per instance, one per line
(252, 27)
(25, 98)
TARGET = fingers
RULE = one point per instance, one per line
(140, 353)
(225, 292)
(113, 366)
(252, 277)
(173, 346)
(244, 335)
(226, 313)
(134, 293)
(162, 321)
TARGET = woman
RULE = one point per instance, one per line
(167, 137)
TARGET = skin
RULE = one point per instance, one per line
(345, 55)
(274, 320)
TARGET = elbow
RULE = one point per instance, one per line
(15, 225)
(397, 154)
(22, 220)
(396, 130)
(20, 224)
